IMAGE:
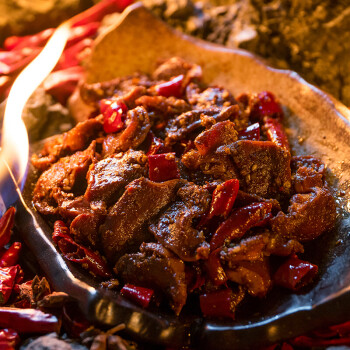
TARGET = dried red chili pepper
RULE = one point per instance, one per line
(75, 252)
(214, 269)
(275, 132)
(343, 329)
(295, 273)
(156, 145)
(286, 346)
(194, 278)
(252, 133)
(10, 257)
(265, 105)
(97, 12)
(28, 320)
(7, 282)
(20, 274)
(173, 87)
(114, 113)
(220, 303)
(163, 167)
(223, 198)
(70, 57)
(29, 41)
(81, 32)
(6, 224)
(7, 69)
(239, 222)
(9, 336)
(61, 84)
(140, 295)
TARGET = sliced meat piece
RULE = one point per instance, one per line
(157, 268)
(125, 227)
(76, 139)
(248, 249)
(63, 180)
(108, 177)
(166, 106)
(282, 246)
(137, 127)
(219, 134)
(309, 215)
(174, 228)
(216, 165)
(213, 96)
(84, 229)
(243, 199)
(185, 124)
(70, 208)
(307, 172)
(254, 275)
(264, 168)
(176, 66)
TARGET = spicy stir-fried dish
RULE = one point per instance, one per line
(175, 188)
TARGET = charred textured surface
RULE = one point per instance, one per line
(108, 177)
(264, 168)
(57, 183)
(158, 268)
(126, 225)
(174, 228)
(309, 215)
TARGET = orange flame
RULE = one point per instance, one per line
(14, 143)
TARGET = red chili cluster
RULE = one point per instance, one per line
(20, 51)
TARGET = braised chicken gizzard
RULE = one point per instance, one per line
(176, 188)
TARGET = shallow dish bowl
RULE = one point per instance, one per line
(316, 124)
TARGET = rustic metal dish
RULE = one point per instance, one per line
(317, 124)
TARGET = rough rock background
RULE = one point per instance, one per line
(311, 37)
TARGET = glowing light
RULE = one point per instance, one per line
(14, 143)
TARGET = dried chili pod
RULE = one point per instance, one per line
(140, 295)
(239, 222)
(221, 303)
(163, 167)
(223, 198)
(77, 253)
(10, 257)
(173, 87)
(311, 342)
(28, 320)
(214, 268)
(264, 104)
(275, 132)
(29, 41)
(157, 145)
(6, 224)
(9, 336)
(295, 273)
(7, 282)
(252, 132)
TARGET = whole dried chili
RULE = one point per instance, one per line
(9, 336)
(163, 167)
(81, 32)
(7, 282)
(265, 105)
(28, 320)
(6, 224)
(97, 12)
(275, 132)
(295, 273)
(140, 295)
(239, 222)
(10, 257)
(252, 132)
(75, 252)
(157, 145)
(173, 87)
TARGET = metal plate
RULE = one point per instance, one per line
(316, 124)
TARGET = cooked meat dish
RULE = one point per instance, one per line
(175, 188)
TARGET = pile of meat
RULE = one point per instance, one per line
(177, 188)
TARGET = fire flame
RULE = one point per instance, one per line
(14, 142)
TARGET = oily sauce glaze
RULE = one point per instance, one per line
(182, 188)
